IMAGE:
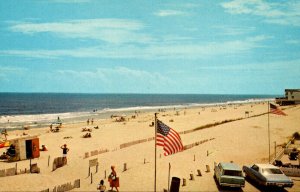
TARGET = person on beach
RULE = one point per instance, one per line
(4, 156)
(101, 186)
(92, 121)
(88, 122)
(113, 179)
(44, 148)
(4, 132)
(65, 152)
(11, 151)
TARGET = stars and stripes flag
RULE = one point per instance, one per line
(275, 110)
(168, 138)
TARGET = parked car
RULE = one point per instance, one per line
(229, 174)
(267, 175)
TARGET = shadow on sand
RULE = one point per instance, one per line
(264, 188)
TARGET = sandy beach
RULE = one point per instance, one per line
(243, 140)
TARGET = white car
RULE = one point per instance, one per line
(267, 175)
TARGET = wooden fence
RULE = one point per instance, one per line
(64, 187)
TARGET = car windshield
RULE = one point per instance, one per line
(232, 173)
(271, 171)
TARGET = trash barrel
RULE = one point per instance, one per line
(175, 184)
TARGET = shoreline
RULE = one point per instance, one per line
(16, 122)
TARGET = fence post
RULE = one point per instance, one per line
(30, 165)
(199, 172)
(192, 177)
(91, 178)
(16, 172)
(183, 182)
(125, 167)
(48, 160)
(207, 168)
(89, 171)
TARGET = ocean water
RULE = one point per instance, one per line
(37, 109)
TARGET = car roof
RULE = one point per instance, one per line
(230, 166)
(264, 166)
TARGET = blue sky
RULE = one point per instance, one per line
(142, 46)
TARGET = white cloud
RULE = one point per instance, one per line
(233, 30)
(107, 30)
(166, 13)
(69, 1)
(293, 41)
(286, 13)
(161, 50)
(122, 79)
(6, 72)
(282, 65)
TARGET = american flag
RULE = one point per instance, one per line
(168, 138)
(275, 110)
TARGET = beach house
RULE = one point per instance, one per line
(292, 96)
(26, 147)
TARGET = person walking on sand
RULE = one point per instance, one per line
(113, 179)
(92, 121)
(65, 152)
(101, 186)
(88, 122)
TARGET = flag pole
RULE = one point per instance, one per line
(169, 177)
(155, 123)
(269, 131)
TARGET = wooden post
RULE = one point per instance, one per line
(89, 171)
(275, 150)
(207, 153)
(207, 168)
(192, 177)
(144, 161)
(194, 157)
(183, 182)
(125, 167)
(97, 167)
(48, 160)
(105, 174)
(159, 155)
(30, 165)
(199, 172)
(16, 169)
(91, 178)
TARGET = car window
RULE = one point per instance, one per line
(255, 167)
(232, 173)
(271, 171)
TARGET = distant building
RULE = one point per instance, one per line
(292, 96)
